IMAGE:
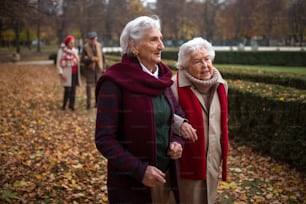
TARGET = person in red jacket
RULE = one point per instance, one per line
(202, 93)
(135, 111)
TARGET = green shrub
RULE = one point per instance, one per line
(278, 58)
(284, 79)
(269, 119)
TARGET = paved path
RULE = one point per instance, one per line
(35, 62)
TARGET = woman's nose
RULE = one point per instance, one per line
(161, 45)
(204, 63)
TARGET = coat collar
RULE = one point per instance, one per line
(184, 81)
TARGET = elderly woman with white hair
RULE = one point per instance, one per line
(135, 111)
(202, 93)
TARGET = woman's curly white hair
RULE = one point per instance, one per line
(188, 48)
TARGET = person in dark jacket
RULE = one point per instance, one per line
(135, 111)
(92, 58)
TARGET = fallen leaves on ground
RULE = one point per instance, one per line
(48, 155)
(254, 178)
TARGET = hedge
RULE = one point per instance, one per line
(278, 58)
(270, 120)
(287, 79)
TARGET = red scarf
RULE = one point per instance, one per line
(193, 161)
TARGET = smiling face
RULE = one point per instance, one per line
(200, 65)
(148, 49)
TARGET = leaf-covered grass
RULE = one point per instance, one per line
(275, 92)
(263, 68)
(48, 155)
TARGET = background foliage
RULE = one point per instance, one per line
(223, 22)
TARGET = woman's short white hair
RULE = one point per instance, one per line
(135, 30)
(188, 48)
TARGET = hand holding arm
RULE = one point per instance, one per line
(188, 132)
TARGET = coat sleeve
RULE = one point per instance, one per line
(178, 119)
(85, 57)
(59, 69)
(107, 132)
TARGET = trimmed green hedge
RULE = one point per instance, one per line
(270, 120)
(278, 58)
(284, 79)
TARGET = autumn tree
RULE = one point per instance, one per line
(211, 8)
(297, 20)
(170, 12)
(269, 19)
(16, 15)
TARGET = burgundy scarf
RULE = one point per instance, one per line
(137, 89)
(129, 75)
(193, 161)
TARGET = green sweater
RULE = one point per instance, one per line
(162, 115)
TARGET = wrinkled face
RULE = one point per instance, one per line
(148, 49)
(200, 65)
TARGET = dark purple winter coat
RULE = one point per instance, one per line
(125, 130)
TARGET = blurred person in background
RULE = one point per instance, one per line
(92, 58)
(68, 68)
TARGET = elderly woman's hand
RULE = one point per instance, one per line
(153, 176)
(188, 132)
(175, 150)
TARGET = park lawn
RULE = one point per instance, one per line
(264, 68)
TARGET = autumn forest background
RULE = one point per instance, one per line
(223, 22)
(48, 155)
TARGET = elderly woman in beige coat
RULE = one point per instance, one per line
(68, 68)
(202, 93)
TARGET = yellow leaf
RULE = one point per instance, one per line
(278, 169)
(73, 183)
(292, 197)
(18, 184)
(105, 198)
(77, 166)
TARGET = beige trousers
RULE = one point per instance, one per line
(162, 194)
(193, 191)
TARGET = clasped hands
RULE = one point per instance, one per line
(95, 59)
(153, 176)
